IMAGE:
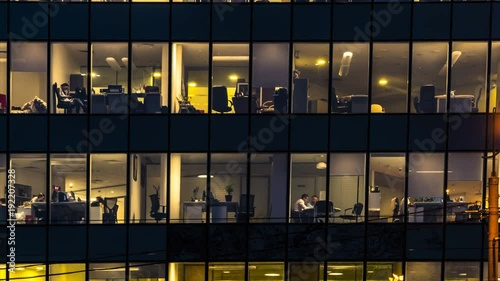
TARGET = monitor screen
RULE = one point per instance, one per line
(114, 88)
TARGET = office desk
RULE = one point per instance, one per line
(433, 211)
(61, 212)
(458, 103)
(193, 211)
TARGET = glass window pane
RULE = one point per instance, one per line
(3, 77)
(109, 78)
(149, 78)
(423, 271)
(28, 63)
(106, 271)
(468, 76)
(147, 271)
(351, 63)
(230, 63)
(429, 75)
(188, 187)
(268, 184)
(108, 188)
(387, 187)
(425, 187)
(347, 186)
(461, 271)
(69, 271)
(495, 71)
(227, 271)
(308, 189)
(390, 77)
(228, 186)
(270, 76)
(266, 271)
(31, 187)
(186, 271)
(384, 271)
(69, 75)
(310, 88)
(345, 271)
(148, 187)
(190, 78)
(25, 272)
(68, 183)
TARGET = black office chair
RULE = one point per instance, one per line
(63, 103)
(243, 212)
(323, 210)
(334, 101)
(395, 209)
(220, 100)
(295, 217)
(155, 206)
(281, 101)
(427, 101)
(355, 212)
(110, 211)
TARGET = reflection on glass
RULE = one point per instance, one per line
(106, 271)
(270, 76)
(429, 75)
(227, 271)
(67, 271)
(28, 272)
(468, 77)
(188, 188)
(31, 189)
(186, 271)
(69, 75)
(149, 78)
(28, 63)
(228, 197)
(189, 78)
(268, 184)
(3, 77)
(109, 78)
(425, 187)
(148, 187)
(461, 271)
(310, 89)
(347, 186)
(68, 185)
(266, 271)
(108, 190)
(390, 77)
(350, 71)
(387, 187)
(308, 189)
(230, 92)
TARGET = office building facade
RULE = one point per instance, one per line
(156, 140)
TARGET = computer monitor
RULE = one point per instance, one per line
(115, 89)
(242, 88)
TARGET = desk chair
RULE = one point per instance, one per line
(475, 109)
(155, 206)
(295, 216)
(427, 102)
(356, 212)
(98, 104)
(220, 100)
(244, 213)
(110, 211)
(323, 210)
(63, 103)
(152, 102)
(281, 101)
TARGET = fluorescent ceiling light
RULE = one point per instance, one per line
(226, 272)
(454, 58)
(345, 64)
(113, 64)
(272, 274)
(39, 268)
(204, 176)
(233, 77)
(3, 59)
(321, 166)
(336, 273)
(191, 84)
(231, 267)
(231, 58)
(157, 74)
(117, 269)
(125, 62)
(463, 274)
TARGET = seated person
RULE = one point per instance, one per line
(76, 100)
(38, 198)
(314, 200)
(300, 205)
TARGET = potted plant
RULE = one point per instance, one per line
(229, 189)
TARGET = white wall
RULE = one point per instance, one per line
(135, 192)
(270, 65)
(26, 85)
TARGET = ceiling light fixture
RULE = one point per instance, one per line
(191, 84)
(230, 58)
(321, 165)
(345, 64)
(272, 274)
(431, 172)
(204, 176)
(125, 62)
(157, 75)
(383, 82)
(320, 62)
(336, 273)
(454, 58)
(113, 64)
(233, 77)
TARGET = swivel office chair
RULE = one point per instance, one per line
(323, 210)
(427, 102)
(155, 206)
(220, 101)
(110, 211)
(475, 109)
(244, 213)
(355, 212)
(63, 103)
